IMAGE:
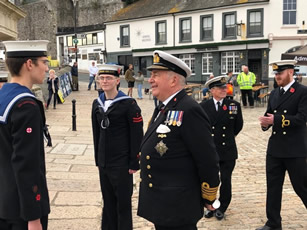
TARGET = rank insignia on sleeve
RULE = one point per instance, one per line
(161, 148)
(207, 192)
(137, 119)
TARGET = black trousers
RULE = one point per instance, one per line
(116, 187)
(275, 173)
(54, 98)
(249, 94)
(226, 168)
(20, 224)
(183, 227)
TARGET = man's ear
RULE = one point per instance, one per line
(29, 64)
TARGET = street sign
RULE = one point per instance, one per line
(75, 41)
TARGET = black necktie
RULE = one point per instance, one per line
(281, 91)
(218, 106)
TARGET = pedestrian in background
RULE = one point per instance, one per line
(93, 71)
(53, 87)
(179, 167)
(74, 74)
(117, 131)
(3, 80)
(129, 76)
(139, 79)
(246, 80)
(287, 148)
(226, 120)
(24, 200)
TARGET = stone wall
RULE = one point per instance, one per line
(45, 16)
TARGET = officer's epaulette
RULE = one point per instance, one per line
(10, 93)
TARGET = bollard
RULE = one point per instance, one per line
(74, 125)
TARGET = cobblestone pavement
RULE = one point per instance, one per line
(74, 186)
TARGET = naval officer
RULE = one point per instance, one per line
(179, 167)
(226, 120)
(287, 148)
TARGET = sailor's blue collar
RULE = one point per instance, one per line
(10, 93)
(120, 96)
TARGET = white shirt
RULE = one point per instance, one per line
(93, 71)
(288, 86)
(216, 105)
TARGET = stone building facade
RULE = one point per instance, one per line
(45, 17)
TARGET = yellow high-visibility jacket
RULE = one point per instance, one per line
(246, 81)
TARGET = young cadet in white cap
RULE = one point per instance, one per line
(117, 130)
(226, 121)
(24, 200)
(287, 148)
(179, 167)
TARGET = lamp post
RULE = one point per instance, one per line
(75, 29)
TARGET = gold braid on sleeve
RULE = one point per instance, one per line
(207, 192)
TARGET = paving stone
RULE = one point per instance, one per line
(78, 198)
(72, 149)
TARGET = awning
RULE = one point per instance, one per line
(299, 55)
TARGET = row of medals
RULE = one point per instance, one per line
(174, 117)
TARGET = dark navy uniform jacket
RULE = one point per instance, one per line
(289, 131)
(175, 184)
(23, 187)
(225, 124)
(119, 144)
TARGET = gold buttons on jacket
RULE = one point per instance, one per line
(223, 143)
(149, 176)
(285, 111)
(147, 157)
(223, 135)
(284, 133)
(275, 111)
(150, 185)
(213, 127)
(224, 127)
(148, 167)
(274, 132)
(212, 134)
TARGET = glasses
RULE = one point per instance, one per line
(106, 78)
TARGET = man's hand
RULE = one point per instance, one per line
(35, 225)
(209, 207)
(131, 171)
(265, 121)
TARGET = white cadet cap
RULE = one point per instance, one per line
(219, 81)
(109, 69)
(281, 65)
(28, 48)
(165, 61)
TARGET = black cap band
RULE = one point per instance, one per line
(22, 54)
(109, 72)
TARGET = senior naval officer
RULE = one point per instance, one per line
(227, 121)
(287, 148)
(24, 200)
(179, 167)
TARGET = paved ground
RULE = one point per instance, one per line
(73, 178)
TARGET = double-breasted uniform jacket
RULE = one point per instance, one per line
(179, 165)
(289, 131)
(23, 187)
(225, 124)
(119, 144)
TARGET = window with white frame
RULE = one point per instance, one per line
(207, 63)
(230, 62)
(206, 28)
(161, 32)
(189, 59)
(289, 12)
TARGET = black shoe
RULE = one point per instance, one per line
(209, 214)
(265, 227)
(219, 214)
